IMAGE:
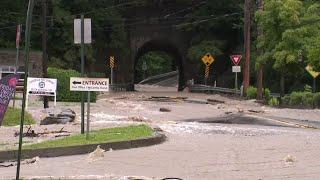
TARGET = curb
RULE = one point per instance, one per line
(158, 138)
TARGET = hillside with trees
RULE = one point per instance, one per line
(289, 41)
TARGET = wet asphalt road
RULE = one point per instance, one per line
(203, 143)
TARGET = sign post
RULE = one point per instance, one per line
(27, 49)
(144, 69)
(314, 74)
(82, 35)
(207, 59)
(88, 115)
(88, 85)
(236, 69)
(18, 39)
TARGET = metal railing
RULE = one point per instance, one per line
(120, 87)
(204, 88)
(159, 77)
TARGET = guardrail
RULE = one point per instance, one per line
(159, 77)
(204, 88)
(120, 87)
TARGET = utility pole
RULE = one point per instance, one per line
(26, 66)
(44, 48)
(247, 44)
(260, 70)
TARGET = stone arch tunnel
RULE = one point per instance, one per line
(167, 47)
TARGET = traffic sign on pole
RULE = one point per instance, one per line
(112, 62)
(208, 59)
(236, 69)
(86, 29)
(236, 59)
(89, 84)
(313, 73)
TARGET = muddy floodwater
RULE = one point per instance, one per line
(231, 139)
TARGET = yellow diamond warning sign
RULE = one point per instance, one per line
(313, 73)
(207, 59)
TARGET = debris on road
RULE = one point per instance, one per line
(165, 110)
(32, 160)
(65, 116)
(96, 154)
(255, 111)
(136, 178)
(31, 133)
(289, 159)
(26, 161)
(138, 119)
(215, 101)
(240, 110)
(196, 101)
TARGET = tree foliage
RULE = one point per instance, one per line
(290, 39)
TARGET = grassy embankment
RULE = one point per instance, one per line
(98, 137)
(12, 117)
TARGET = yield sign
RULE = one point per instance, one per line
(236, 59)
(313, 73)
(208, 59)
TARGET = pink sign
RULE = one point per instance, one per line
(7, 88)
(236, 59)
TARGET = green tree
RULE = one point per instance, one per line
(157, 63)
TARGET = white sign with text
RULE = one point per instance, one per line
(42, 87)
(89, 84)
(236, 69)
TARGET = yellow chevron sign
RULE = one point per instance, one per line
(208, 59)
(313, 73)
(112, 62)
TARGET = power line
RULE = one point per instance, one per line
(206, 20)
(185, 9)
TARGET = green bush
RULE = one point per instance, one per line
(267, 94)
(286, 100)
(304, 99)
(63, 89)
(251, 92)
(316, 99)
(273, 102)
(307, 99)
(295, 99)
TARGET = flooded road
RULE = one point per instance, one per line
(197, 147)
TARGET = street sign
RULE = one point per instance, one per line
(313, 73)
(112, 62)
(144, 66)
(87, 31)
(236, 59)
(207, 59)
(236, 69)
(89, 84)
